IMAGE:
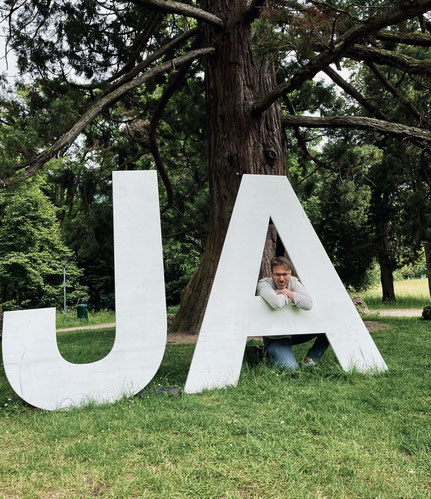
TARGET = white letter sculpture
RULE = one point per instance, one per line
(33, 364)
(234, 312)
(40, 375)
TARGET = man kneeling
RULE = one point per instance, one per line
(284, 290)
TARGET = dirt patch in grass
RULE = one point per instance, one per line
(183, 338)
(373, 326)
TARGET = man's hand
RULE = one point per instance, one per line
(286, 292)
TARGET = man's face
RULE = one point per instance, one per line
(280, 275)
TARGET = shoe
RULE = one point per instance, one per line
(309, 362)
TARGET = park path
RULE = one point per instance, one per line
(172, 337)
(189, 338)
(401, 312)
(395, 312)
(86, 328)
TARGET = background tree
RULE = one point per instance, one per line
(119, 48)
(32, 253)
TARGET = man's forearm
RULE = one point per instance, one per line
(286, 292)
(269, 294)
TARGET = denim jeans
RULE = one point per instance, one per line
(280, 349)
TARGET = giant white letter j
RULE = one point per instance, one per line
(33, 364)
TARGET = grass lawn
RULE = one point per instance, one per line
(94, 318)
(314, 433)
(71, 320)
(410, 293)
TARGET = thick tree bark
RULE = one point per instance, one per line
(382, 208)
(273, 247)
(387, 280)
(427, 248)
(238, 142)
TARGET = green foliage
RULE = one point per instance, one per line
(180, 260)
(32, 252)
(414, 270)
(369, 197)
(33, 116)
(341, 222)
(338, 207)
(79, 183)
(314, 433)
(373, 203)
(87, 226)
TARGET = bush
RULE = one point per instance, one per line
(426, 313)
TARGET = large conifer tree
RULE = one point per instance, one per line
(255, 54)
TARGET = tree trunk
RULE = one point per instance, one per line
(427, 248)
(237, 142)
(387, 280)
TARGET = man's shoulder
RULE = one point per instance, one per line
(293, 281)
(267, 279)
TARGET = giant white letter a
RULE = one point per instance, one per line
(234, 312)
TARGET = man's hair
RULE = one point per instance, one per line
(281, 260)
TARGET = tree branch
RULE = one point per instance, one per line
(136, 69)
(358, 122)
(342, 45)
(139, 45)
(35, 165)
(397, 94)
(253, 10)
(154, 148)
(181, 8)
(156, 55)
(405, 38)
(389, 58)
(334, 9)
(292, 4)
(300, 140)
(350, 90)
(136, 51)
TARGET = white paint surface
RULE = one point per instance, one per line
(234, 312)
(38, 373)
(33, 364)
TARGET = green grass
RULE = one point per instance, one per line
(173, 309)
(94, 318)
(410, 293)
(314, 433)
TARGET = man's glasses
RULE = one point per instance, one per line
(281, 275)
